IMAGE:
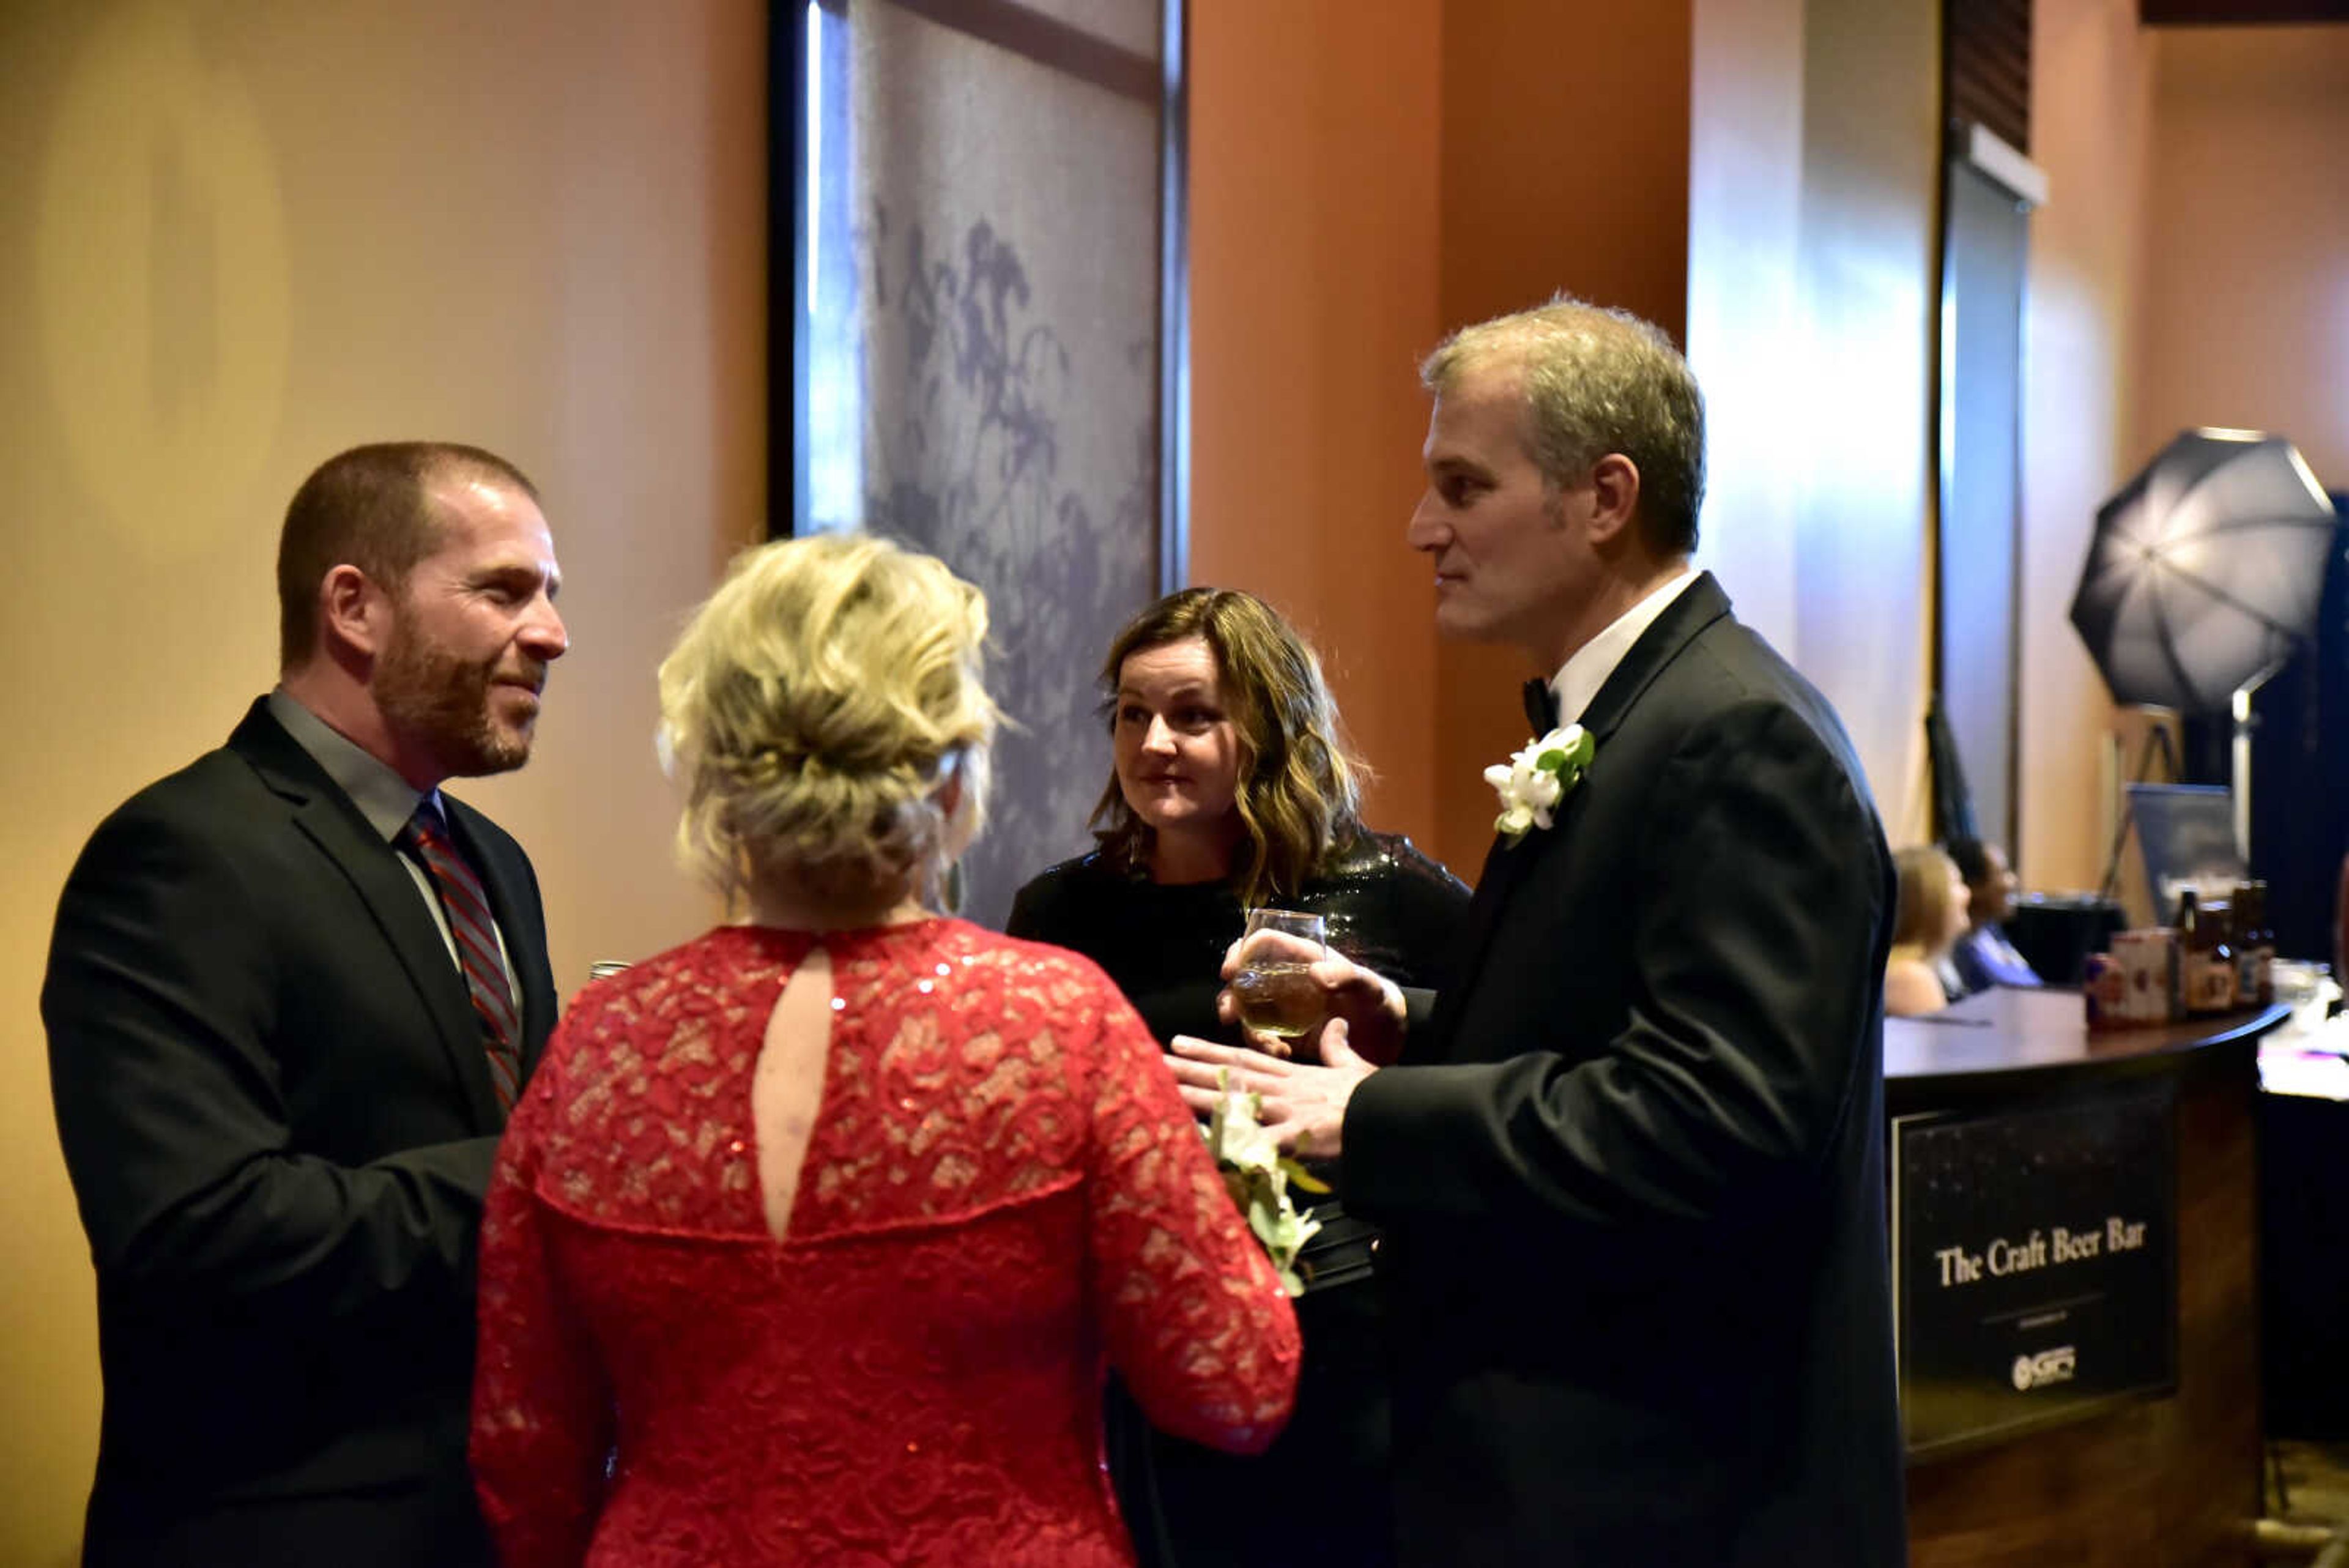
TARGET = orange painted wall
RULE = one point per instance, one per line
(1313, 146)
(1348, 205)
(1565, 166)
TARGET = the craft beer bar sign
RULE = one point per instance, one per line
(2034, 1263)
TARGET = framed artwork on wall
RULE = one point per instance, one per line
(980, 341)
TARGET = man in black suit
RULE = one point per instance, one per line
(1630, 1173)
(284, 1031)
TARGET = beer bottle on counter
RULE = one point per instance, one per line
(2255, 947)
(2181, 973)
(2219, 914)
(2211, 981)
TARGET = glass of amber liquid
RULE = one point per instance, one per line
(1274, 986)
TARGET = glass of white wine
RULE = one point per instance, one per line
(1274, 985)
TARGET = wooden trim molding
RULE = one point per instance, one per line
(1048, 41)
(2223, 13)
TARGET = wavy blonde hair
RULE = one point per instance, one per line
(815, 708)
(1299, 788)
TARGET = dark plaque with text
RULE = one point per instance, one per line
(2033, 1259)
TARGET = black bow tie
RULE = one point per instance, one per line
(1541, 708)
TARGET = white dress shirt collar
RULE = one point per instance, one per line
(1578, 680)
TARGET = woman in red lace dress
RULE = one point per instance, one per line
(809, 1238)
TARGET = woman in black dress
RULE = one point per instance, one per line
(1231, 788)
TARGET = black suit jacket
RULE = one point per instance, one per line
(277, 1114)
(1631, 1175)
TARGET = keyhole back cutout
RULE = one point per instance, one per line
(787, 1088)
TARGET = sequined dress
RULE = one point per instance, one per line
(1320, 1494)
(1001, 1188)
(1386, 906)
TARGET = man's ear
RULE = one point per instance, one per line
(1614, 497)
(353, 613)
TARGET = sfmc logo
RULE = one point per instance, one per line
(2047, 1367)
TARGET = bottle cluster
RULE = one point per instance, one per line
(2218, 956)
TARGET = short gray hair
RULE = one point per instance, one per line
(1597, 380)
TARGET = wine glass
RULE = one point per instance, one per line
(1274, 986)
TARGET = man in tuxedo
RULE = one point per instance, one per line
(292, 991)
(1630, 1172)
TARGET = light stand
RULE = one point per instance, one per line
(2240, 705)
(2156, 741)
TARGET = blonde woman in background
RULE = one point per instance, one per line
(1934, 901)
(820, 1225)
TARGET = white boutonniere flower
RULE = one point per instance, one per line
(1533, 781)
(1259, 1177)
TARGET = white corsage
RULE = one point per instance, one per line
(1257, 1176)
(1533, 781)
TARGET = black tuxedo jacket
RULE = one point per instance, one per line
(277, 1114)
(1631, 1175)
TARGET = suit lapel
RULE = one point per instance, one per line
(323, 813)
(1504, 867)
(1699, 606)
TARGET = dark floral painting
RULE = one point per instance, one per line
(981, 265)
(965, 460)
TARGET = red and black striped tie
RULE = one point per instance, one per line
(476, 935)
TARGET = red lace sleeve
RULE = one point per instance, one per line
(1195, 1318)
(542, 1409)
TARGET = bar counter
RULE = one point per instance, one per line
(2171, 1480)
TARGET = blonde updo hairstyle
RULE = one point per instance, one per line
(815, 708)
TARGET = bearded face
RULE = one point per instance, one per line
(475, 712)
(468, 637)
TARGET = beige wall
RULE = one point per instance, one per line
(1313, 267)
(1861, 388)
(2244, 320)
(250, 236)
(2092, 125)
(1813, 180)
(1745, 296)
(2191, 267)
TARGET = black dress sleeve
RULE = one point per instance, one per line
(1391, 908)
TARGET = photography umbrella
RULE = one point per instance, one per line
(2205, 570)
